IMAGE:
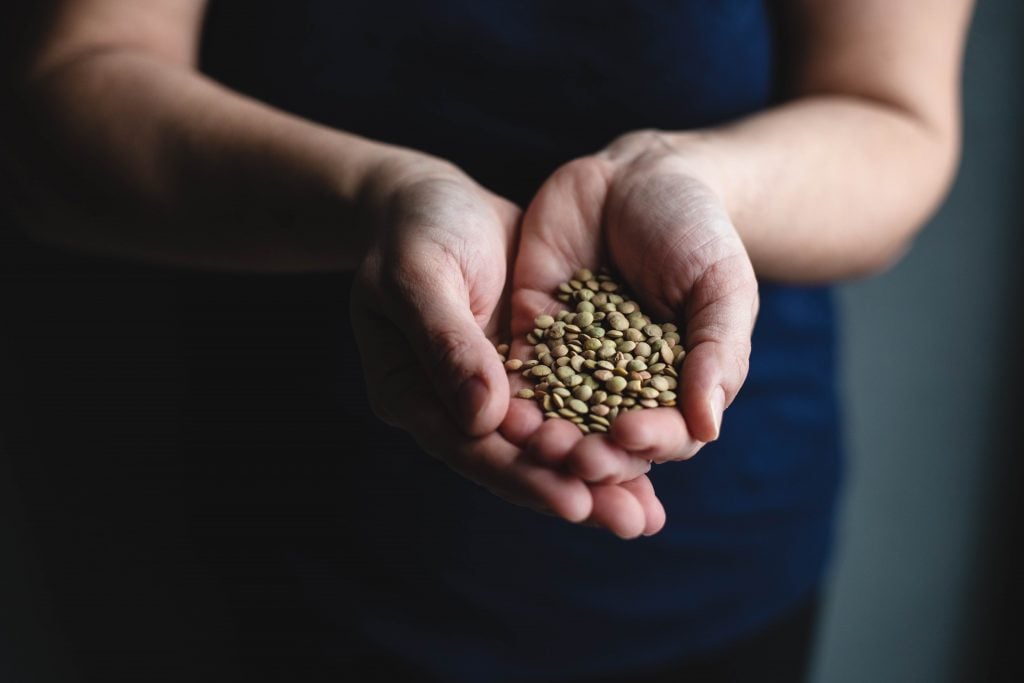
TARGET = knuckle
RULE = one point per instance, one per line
(588, 169)
(590, 469)
(741, 357)
(403, 275)
(743, 363)
(450, 350)
(508, 211)
(478, 454)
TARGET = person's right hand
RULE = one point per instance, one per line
(427, 304)
(648, 210)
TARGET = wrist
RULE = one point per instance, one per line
(391, 169)
(689, 153)
(381, 172)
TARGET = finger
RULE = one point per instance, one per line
(561, 232)
(721, 310)
(617, 510)
(598, 459)
(430, 300)
(552, 441)
(524, 415)
(564, 495)
(691, 263)
(561, 228)
(501, 467)
(521, 421)
(654, 511)
(402, 393)
(659, 434)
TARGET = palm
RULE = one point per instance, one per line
(671, 241)
(426, 306)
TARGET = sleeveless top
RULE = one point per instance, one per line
(371, 541)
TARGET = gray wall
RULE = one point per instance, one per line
(928, 351)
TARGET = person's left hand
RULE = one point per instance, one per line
(646, 209)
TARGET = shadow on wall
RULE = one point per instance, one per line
(993, 652)
(927, 585)
(994, 630)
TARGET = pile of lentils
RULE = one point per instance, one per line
(600, 357)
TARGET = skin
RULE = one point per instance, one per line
(831, 184)
(670, 238)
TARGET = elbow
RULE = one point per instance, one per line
(883, 258)
(934, 176)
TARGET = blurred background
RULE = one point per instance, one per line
(924, 585)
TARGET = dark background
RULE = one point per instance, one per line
(925, 588)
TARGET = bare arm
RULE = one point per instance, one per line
(143, 157)
(135, 153)
(836, 182)
(831, 184)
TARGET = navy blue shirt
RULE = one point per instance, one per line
(376, 542)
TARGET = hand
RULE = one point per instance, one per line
(426, 306)
(646, 209)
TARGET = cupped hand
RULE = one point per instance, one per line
(426, 306)
(649, 211)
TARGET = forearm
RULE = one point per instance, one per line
(825, 187)
(142, 158)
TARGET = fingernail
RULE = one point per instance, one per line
(471, 399)
(717, 408)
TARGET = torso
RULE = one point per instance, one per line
(388, 543)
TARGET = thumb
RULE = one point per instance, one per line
(436, 315)
(561, 230)
(722, 309)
